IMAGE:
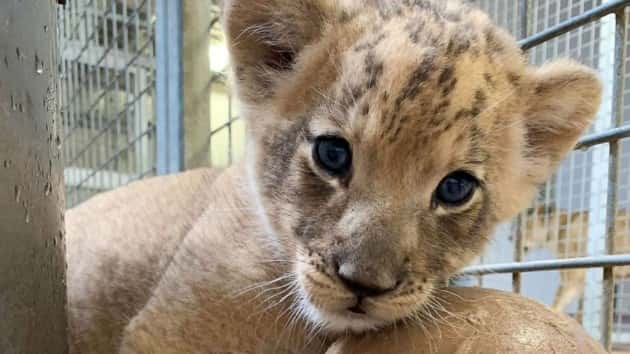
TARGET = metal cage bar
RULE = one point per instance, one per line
(170, 81)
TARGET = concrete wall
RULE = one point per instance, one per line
(32, 266)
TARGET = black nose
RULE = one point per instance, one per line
(361, 286)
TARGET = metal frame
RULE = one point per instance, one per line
(107, 84)
(170, 86)
(612, 138)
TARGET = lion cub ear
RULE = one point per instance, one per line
(562, 102)
(266, 36)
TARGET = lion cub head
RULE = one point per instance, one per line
(389, 138)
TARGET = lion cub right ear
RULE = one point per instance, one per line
(266, 36)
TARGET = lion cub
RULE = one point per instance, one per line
(387, 139)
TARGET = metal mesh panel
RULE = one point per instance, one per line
(227, 135)
(508, 14)
(568, 219)
(107, 90)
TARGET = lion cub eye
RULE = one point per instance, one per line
(456, 189)
(333, 155)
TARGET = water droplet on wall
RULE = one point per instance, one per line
(17, 192)
(39, 65)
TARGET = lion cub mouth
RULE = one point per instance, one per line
(329, 303)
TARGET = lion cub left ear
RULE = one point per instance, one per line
(563, 100)
(266, 36)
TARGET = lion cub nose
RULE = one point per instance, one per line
(366, 282)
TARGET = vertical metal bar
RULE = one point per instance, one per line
(229, 127)
(169, 57)
(518, 254)
(518, 241)
(613, 174)
(115, 89)
(106, 107)
(525, 12)
(600, 167)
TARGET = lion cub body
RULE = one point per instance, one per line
(184, 255)
(387, 139)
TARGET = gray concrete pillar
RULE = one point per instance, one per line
(196, 38)
(32, 266)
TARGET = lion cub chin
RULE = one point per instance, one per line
(387, 139)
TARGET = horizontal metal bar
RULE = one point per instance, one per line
(573, 23)
(556, 264)
(104, 129)
(607, 136)
(223, 126)
(113, 158)
(108, 87)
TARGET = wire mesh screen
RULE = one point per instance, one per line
(568, 219)
(107, 94)
(227, 131)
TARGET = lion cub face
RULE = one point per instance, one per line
(390, 137)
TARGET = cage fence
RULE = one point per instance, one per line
(108, 69)
(588, 198)
(107, 72)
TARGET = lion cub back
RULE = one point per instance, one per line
(118, 244)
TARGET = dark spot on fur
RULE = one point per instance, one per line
(345, 17)
(513, 78)
(394, 136)
(415, 28)
(446, 75)
(441, 107)
(493, 43)
(447, 126)
(385, 97)
(351, 96)
(366, 109)
(417, 78)
(479, 103)
(281, 147)
(373, 69)
(457, 46)
(370, 43)
(489, 80)
(446, 90)
(463, 113)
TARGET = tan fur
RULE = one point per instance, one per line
(566, 235)
(479, 321)
(248, 262)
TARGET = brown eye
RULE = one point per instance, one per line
(456, 189)
(333, 155)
